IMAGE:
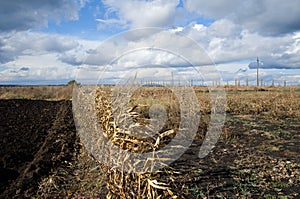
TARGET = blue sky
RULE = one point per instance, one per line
(53, 40)
(85, 27)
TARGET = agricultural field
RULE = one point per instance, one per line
(256, 155)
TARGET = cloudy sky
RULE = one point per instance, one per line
(52, 42)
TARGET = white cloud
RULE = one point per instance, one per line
(213, 8)
(13, 45)
(159, 13)
(57, 57)
(109, 23)
(159, 47)
(268, 17)
(47, 57)
(227, 42)
(42, 67)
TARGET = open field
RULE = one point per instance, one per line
(36, 92)
(257, 154)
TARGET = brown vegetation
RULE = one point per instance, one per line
(272, 104)
(257, 154)
(37, 92)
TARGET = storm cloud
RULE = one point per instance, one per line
(18, 15)
(268, 17)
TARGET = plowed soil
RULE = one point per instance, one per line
(36, 137)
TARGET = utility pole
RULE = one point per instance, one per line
(257, 80)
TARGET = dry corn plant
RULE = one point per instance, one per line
(136, 130)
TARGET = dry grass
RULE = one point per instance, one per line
(37, 92)
(274, 103)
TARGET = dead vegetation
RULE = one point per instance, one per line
(123, 184)
(257, 154)
(37, 92)
(124, 179)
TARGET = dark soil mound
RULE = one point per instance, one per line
(35, 137)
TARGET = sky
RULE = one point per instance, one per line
(53, 42)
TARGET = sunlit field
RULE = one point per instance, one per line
(256, 155)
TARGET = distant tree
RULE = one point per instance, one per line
(72, 82)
